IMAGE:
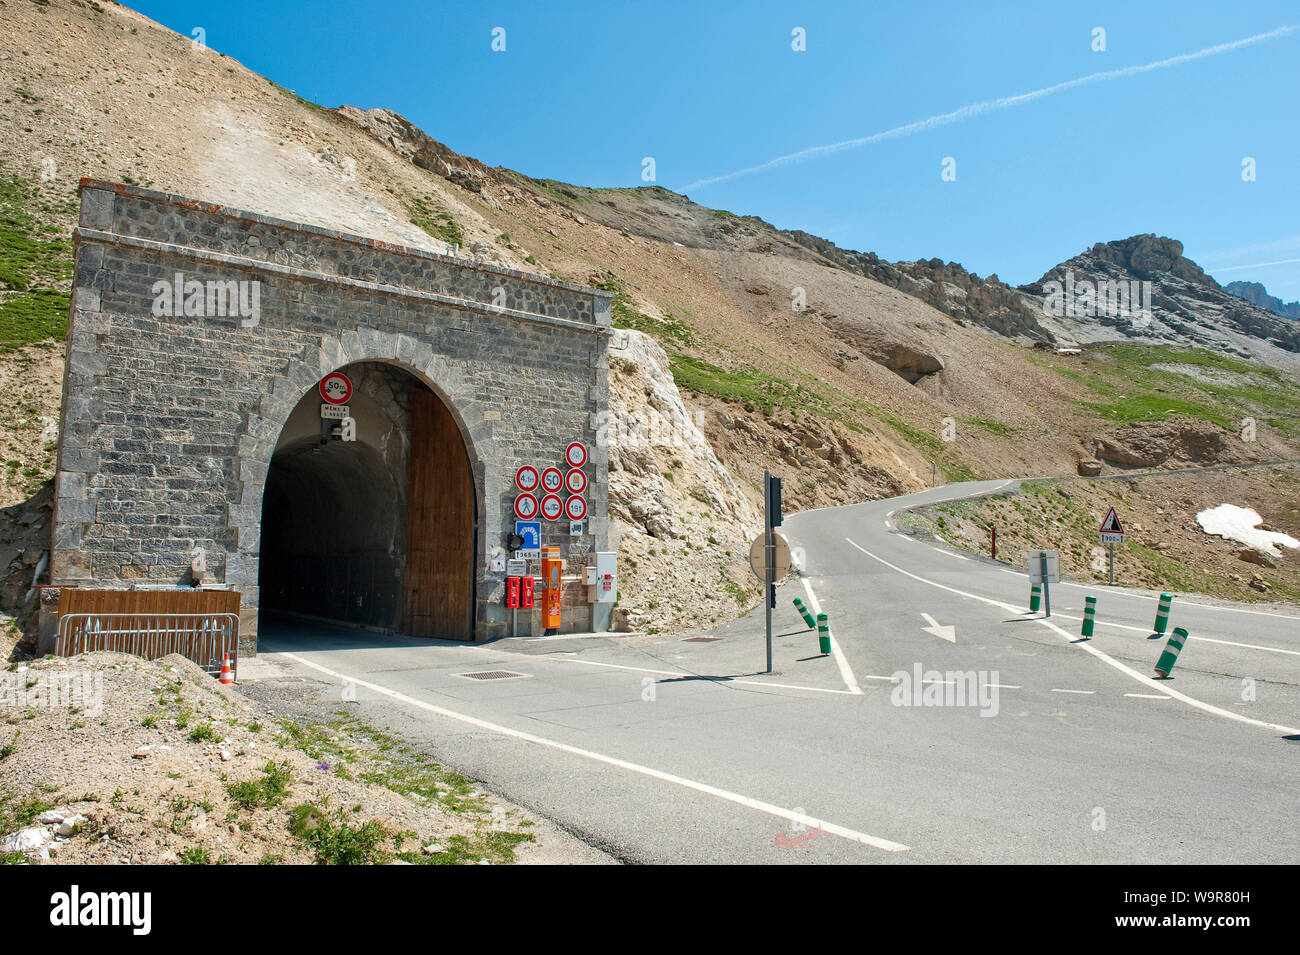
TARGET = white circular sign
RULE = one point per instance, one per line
(576, 508)
(576, 454)
(336, 388)
(526, 478)
(525, 507)
(575, 481)
(552, 480)
(551, 507)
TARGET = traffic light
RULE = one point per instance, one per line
(774, 501)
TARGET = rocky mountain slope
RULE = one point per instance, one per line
(852, 377)
(1181, 305)
(1255, 293)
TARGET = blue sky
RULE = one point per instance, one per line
(585, 91)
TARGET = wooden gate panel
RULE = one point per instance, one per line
(440, 524)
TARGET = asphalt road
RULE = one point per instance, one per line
(1003, 740)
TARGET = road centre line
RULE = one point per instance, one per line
(707, 679)
(1081, 692)
(736, 798)
(1148, 696)
(846, 671)
(1087, 647)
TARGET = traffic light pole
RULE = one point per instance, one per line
(768, 547)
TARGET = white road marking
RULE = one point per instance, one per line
(1080, 692)
(1148, 696)
(1087, 647)
(943, 633)
(709, 679)
(1148, 631)
(846, 671)
(887, 524)
(1007, 686)
(765, 807)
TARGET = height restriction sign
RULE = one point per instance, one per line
(526, 478)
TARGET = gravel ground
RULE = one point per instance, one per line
(112, 759)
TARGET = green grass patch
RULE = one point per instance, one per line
(437, 222)
(266, 792)
(335, 841)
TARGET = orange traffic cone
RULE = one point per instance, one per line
(227, 677)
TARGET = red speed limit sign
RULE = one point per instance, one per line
(576, 454)
(336, 388)
(552, 480)
(552, 507)
(525, 507)
(576, 508)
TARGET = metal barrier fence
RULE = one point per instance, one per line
(204, 638)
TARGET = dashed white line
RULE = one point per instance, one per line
(765, 807)
(705, 678)
(1088, 648)
(1080, 692)
(1148, 696)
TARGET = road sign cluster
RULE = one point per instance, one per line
(539, 491)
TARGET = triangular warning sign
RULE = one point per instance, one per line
(1111, 524)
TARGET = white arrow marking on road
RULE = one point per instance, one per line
(943, 633)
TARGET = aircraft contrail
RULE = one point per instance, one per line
(1256, 265)
(975, 109)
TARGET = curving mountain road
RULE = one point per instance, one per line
(664, 749)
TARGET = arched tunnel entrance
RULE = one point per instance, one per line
(378, 531)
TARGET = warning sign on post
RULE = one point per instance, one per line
(1112, 531)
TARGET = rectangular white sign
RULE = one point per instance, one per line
(334, 412)
(1034, 564)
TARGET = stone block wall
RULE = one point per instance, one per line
(170, 421)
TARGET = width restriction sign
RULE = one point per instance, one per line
(1112, 531)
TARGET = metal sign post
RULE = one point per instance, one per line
(767, 560)
(1047, 585)
(1111, 533)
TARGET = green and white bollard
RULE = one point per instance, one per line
(803, 612)
(1035, 597)
(824, 632)
(1165, 665)
(1089, 613)
(1162, 614)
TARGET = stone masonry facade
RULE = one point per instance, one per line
(169, 423)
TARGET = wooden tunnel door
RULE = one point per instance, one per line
(439, 525)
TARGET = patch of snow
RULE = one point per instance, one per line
(1242, 524)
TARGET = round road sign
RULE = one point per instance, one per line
(551, 507)
(576, 454)
(526, 478)
(525, 507)
(552, 480)
(575, 481)
(575, 507)
(336, 388)
(780, 557)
